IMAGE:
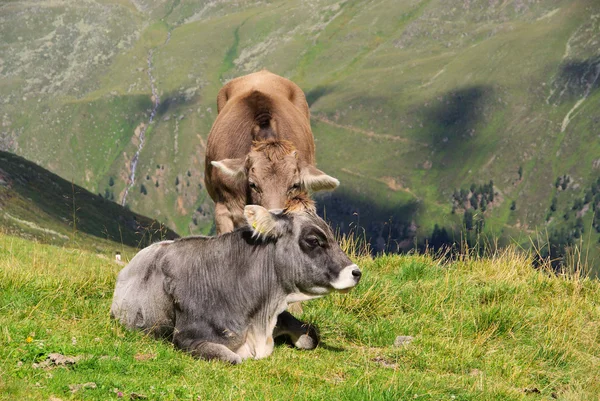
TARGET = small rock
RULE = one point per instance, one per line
(403, 340)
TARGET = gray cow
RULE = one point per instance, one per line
(220, 297)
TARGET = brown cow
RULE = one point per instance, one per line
(260, 149)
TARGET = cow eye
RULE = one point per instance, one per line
(253, 186)
(313, 241)
(294, 188)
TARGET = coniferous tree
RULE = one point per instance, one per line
(513, 205)
(480, 224)
(143, 190)
(468, 220)
(565, 182)
(111, 181)
(464, 194)
(474, 201)
(456, 195)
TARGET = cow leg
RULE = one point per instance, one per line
(190, 341)
(207, 350)
(223, 218)
(303, 335)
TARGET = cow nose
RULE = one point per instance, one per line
(356, 273)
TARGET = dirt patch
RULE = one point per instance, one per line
(391, 183)
(57, 360)
(385, 362)
(144, 357)
(180, 208)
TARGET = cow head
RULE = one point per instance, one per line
(308, 259)
(274, 174)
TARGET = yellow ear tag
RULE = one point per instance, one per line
(255, 227)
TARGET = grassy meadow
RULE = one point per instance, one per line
(484, 329)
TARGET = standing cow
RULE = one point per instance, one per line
(260, 150)
(220, 297)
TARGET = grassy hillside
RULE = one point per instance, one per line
(37, 204)
(411, 102)
(483, 328)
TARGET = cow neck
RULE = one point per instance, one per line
(259, 284)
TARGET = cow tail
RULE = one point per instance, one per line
(261, 107)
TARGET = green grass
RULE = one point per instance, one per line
(484, 328)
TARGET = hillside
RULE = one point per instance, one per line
(37, 204)
(483, 329)
(416, 105)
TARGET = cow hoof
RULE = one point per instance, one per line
(234, 360)
(306, 342)
(309, 340)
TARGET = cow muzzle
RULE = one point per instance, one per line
(348, 278)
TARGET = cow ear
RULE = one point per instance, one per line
(314, 180)
(263, 222)
(235, 168)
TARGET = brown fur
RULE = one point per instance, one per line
(300, 204)
(260, 149)
(272, 149)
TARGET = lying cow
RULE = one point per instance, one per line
(260, 150)
(220, 297)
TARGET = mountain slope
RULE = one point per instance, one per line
(411, 102)
(38, 204)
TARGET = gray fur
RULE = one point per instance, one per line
(220, 297)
